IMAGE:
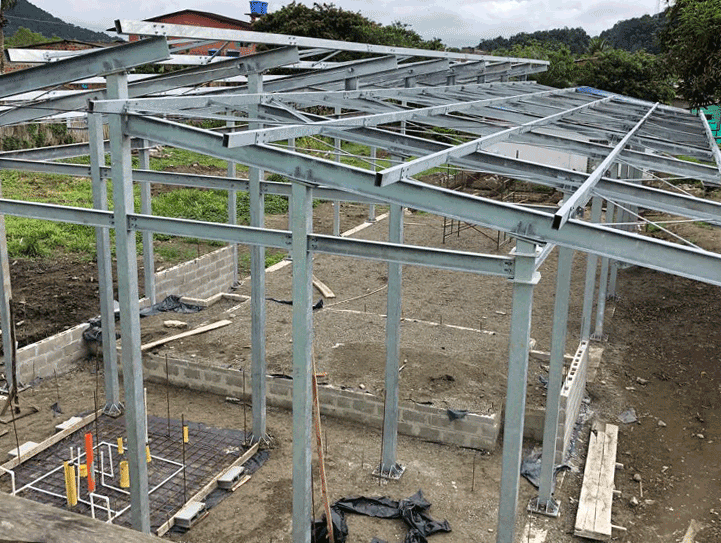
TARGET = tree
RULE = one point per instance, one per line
(562, 70)
(639, 75)
(330, 22)
(24, 37)
(691, 44)
(597, 45)
(4, 5)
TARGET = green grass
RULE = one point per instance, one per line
(35, 238)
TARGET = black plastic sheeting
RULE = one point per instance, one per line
(455, 414)
(413, 511)
(94, 333)
(171, 303)
(531, 469)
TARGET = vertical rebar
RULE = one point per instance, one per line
(15, 429)
(473, 476)
(95, 404)
(167, 390)
(245, 417)
(182, 440)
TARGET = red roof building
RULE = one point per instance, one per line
(194, 17)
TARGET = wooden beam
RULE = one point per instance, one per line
(323, 288)
(208, 488)
(52, 440)
(200, 330)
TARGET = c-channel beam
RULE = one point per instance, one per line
(581, 195)
(135, 416)
(5, 300)
(146, 209)
(590, 284)
(145, 28)
(161, 83)
(257, 282)
(408, 169)
(113, 407)
(302, 215)
(102, 62)
(59, 213)
(523, 283)
(642, 251)
(254, 137)
(711, 140)
(389, 465)
(545, 503)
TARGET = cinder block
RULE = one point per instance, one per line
(411, 415)
(192, 374)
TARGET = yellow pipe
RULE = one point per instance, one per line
(121, 449)
(70, 489)
(147, 453)
(83, 470)
(124, 474)
(185, 434)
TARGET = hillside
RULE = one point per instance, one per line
(33, 18)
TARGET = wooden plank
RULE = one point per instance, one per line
(323, 288)
(52, 440)
(606, 486)
(200, 330)
(593, 519)
(208, 488)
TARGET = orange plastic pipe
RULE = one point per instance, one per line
(89, 461)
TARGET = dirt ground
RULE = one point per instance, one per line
(661, 358)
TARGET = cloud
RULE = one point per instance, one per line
(457, 23)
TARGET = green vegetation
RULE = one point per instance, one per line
(690, 43)
(330, 22)
(575, 39)
(34, 238)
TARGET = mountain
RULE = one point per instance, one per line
(33, 18)
(636, 34)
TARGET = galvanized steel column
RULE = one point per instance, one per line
(545, 503)
(590, 289)
(389, 466)
(257, 282)
(302, 203)
(233, 211)
(135, 416)
(113, 406)
(372, 207)
(146, 208)
(603, 282)
(515, 411)
(5, 296)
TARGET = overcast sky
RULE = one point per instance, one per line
(455, 22)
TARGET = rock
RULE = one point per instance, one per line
(661, 424)
(641, 381)
(633, 501)
(362, 386)
(175, 324)
(637, 477)
(700, 436)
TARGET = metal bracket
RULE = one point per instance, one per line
(550, 509)
(393, 474)
(113, 409)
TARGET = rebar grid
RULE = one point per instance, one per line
(208, 451)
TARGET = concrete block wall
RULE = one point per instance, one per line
(198, 278)
(572, 393)
(59, 352)
(425, 422)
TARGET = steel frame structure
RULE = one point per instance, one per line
(392, 99)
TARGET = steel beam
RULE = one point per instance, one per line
(515, 411)
(56, 212)
(389, 466)
(96, 149)
(590, 284)
(302, 202)
(145, 28)
(643, 251)
(101, 62)
(146, 208)
(418, 165)
(5, 300)
(135, 419)
(545, 503)
(581, 195)
(257, 283)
